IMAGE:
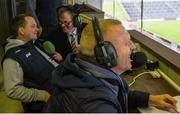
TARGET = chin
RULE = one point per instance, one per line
(34, 38)
(129, 67)
(66, 30)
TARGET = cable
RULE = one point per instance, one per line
(134, 79)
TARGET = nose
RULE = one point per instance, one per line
(63, 25)
(132, 46)
(38, 29)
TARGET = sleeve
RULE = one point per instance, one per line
(13, 83)
(68, 104)
(137, 99)
(100, 106)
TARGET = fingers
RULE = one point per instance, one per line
(77, 49)
(46, 96)
(170, 102)
(57, 56)
(164, 102)
(167, 106)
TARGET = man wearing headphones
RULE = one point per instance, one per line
(91, 81)
(66, 36)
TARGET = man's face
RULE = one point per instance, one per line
(120, 38)
(30, 30)
(66, 22)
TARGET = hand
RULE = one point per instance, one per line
(57, 56)
(164, 102)
(77, 49)
(46, 96)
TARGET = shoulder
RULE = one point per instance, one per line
(10, 65)
(13, 51)
(56, 30)
(19, 53)
(56, 33)
(8, 62)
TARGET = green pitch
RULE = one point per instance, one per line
(169, 29)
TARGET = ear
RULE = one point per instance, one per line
(21, 30)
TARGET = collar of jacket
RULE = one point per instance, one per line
(82, 74)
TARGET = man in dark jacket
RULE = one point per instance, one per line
(27, 69)
(87, 84)
(62, 37)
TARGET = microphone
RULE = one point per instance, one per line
(77, 21)
(77, 8)
(51, 51)
(138, 59)
(49, 48)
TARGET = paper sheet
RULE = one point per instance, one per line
(152, 109)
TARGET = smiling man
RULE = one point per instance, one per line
(27, 69)
(91, 81)
(66, 36)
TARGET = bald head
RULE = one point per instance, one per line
(114, 32)
(88, 41)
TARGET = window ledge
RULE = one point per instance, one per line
(162, 48)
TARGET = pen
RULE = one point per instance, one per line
(173, 111)
(176, 111)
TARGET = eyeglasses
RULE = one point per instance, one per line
(66, 23)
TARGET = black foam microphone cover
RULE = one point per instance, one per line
(138, 59)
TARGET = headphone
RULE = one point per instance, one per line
(104, 50)
(75, 10)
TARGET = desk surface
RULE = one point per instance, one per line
(148, 84)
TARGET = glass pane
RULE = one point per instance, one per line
(161, 19)
(127, 11)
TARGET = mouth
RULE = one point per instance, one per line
(130, 58)
(35, 33)
(65, 28)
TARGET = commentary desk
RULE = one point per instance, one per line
(147, 83)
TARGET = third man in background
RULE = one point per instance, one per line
(66, 36)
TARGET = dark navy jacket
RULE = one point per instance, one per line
(83, 87)
(37, 71)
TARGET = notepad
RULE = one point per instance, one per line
(153, 109)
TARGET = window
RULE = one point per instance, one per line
(158, 18)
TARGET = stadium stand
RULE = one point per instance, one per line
(167, 9)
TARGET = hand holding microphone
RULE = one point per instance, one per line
(50, 50)
(57, 56)
(77, 50)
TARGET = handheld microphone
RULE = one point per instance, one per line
(49, 48)
(138, 59)
(51, 51)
